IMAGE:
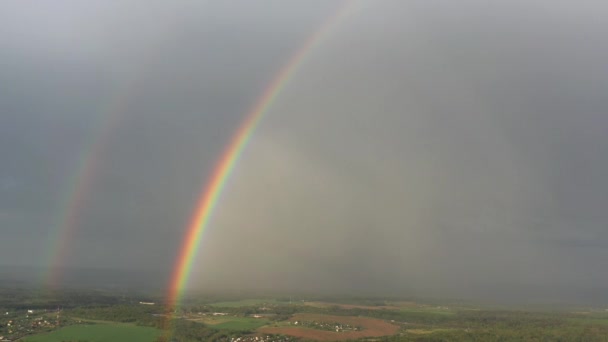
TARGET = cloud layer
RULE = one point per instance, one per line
(423, 149)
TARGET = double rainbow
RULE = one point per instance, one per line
(228, 160)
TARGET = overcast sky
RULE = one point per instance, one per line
(423, 148)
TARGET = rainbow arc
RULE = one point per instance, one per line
(227, 162)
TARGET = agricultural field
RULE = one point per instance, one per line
(232, 322)
(395, 306)
(116, 332)
(244, 302)
(589, 319)
(95, 318)
(326, 305)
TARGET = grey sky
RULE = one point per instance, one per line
(423, 148)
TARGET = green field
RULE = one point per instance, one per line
(241, 323)
(591, 319)
(115, 332)
(244, 302)
(430, 310)
(233, 323)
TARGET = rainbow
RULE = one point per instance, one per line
(80, 183)
(212, 191)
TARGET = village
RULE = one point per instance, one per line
(16, 324)
(333, 326)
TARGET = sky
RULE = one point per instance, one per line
(421, 148)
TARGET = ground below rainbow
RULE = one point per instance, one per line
(86, 315)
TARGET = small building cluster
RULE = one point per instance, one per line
(328, 326)
(15, 325)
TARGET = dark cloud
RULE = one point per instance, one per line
(451, 149)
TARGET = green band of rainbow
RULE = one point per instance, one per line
(223, 169)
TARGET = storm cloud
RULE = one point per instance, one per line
(444, 149)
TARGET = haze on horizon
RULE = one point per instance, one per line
(424, 148)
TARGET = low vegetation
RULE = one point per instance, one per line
(99, 333)
(232, 322)
(33, 315)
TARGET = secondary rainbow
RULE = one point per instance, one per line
(80, 183)
(228, 160)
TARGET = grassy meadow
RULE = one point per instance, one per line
(116, 332)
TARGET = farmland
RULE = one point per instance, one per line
(94, 316)
(232, 322)
(116, 332)
(244, 302)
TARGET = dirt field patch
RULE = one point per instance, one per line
(371, 328)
